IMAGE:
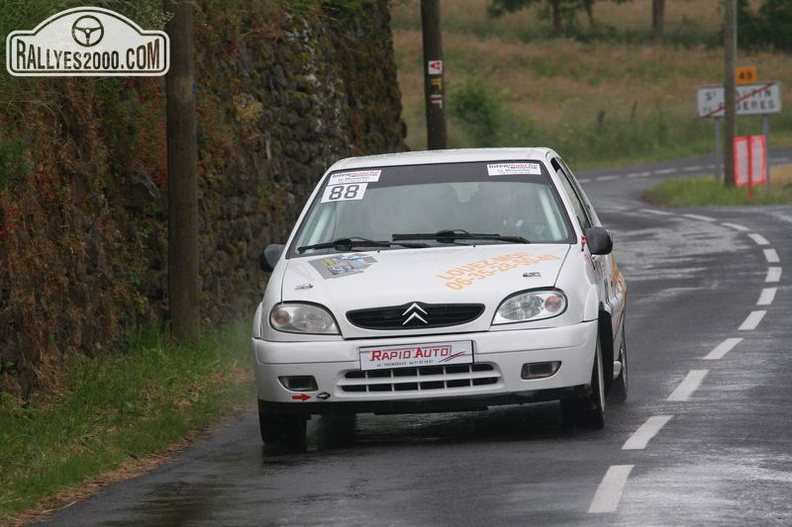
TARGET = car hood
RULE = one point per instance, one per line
(482, 274)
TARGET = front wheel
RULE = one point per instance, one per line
(589, 410)
(283, 429)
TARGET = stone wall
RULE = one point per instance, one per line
(281, 95)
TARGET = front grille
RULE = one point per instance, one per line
(425, 378)
(415, 315)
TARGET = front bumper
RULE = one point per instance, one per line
(494, 377)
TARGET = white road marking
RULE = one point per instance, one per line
(657, 212)
(759, 239)
(771, 256)
(722, 349)
(646, 432)
(639, 174)
(666, 170)
(607, 178)
(767, 296)
(752, 321)
(584, 180)
(773, 275)
(610, 489)
(688, 385)
(736, 227)
(697, 217)
(693, 168)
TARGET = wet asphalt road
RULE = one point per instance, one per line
(704, 438)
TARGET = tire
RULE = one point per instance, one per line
(621, 383)
(588, 411)
(283, 430)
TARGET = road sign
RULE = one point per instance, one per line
(746, 75)
(752, 99)
(750, 155)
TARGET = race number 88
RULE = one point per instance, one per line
(343, 192)
(347, 192)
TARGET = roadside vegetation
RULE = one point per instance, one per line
(600, 97)
(111, 412)
(708, 192)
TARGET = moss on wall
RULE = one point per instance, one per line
(281, 95)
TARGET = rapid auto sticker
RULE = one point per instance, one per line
(465, 275)
(343, 265)
(513, 169)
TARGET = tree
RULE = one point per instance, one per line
(183, 248)
(658, 20)
(559, 10)
(501, 7)
(768, 27)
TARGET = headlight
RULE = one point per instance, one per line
(531, 305)
(302, 318)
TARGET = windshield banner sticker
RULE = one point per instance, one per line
(347, 192)
(360, 176)
(460, 277)
(513, 169)
(343, 265)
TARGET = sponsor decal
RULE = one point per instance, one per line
(343, 265)
(466, 275)
(360, 176)
(514, 169)
(87, 41)
(374, 358)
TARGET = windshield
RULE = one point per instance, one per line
(476, 203)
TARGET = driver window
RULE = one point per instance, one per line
(578, 205)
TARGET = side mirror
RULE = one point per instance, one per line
(270, 256)
(599, 240)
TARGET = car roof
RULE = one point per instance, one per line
(425, 157)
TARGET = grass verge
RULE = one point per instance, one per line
(115, 410)
(707, 192)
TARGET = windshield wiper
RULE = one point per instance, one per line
(451, 236)
(347, 244)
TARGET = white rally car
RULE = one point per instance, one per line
(440, 281)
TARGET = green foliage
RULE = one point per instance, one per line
(332, 6)
(122, 405)
(770, 27)
(482, 113)
(563, 13)
(480, 109)
(682, 192)
(14, 162)
(501, 7)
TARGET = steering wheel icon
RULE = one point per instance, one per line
(87, 31)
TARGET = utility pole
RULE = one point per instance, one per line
(183, 245)
(729, 89)
(434, 86)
